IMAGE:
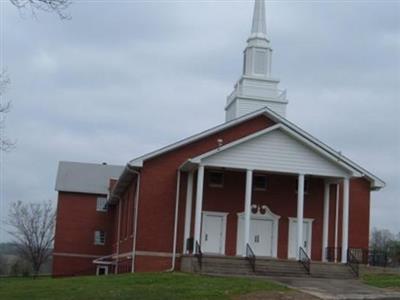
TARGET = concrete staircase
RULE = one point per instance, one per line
(225, 265)
(331, 270)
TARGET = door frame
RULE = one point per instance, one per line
(102, 267)
(309, 221)
(262, 213)
(223, 236)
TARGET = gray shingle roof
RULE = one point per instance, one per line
(85, 177)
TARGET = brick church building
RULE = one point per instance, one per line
(241, 187)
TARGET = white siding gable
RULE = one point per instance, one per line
(275, 151)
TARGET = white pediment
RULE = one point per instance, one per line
(277, 151)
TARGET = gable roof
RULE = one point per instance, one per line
(376, 182)
(85, 177)
(275, 148)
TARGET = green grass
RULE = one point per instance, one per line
(383, 280)
(132, 286)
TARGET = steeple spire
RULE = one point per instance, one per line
(256, 88)
(259, 28)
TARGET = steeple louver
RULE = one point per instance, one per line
(256, 88)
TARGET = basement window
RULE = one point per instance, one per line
(216, 179)
(101, 204)
(99, 237)
(260, 183)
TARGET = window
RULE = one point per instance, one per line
(260, 182)
(306, 185)
(99, 237)
(216, 179)
(101, 204)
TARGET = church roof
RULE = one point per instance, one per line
(85, 177)
(376, 182)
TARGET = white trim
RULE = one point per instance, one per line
(223, 215)
(305, 220)
(377, 183)
(291, 133)
(268, 215)
(138, 162)
(76, 255)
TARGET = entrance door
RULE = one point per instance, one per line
(261, 237)
(213, 233)
(306, 242)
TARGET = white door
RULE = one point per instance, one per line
(306, 242)
(261, 237)
(213, 235)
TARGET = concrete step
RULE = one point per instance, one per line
(269, 267)
(331, 270)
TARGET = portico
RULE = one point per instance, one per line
(260, 155)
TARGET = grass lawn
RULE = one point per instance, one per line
(383, 280)
(132, 286)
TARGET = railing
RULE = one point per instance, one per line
(304, 259)
(333, 252)
(198, 253)
(352, 262)
(251, 257)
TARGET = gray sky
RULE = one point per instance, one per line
(124, 78)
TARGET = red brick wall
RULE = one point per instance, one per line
(73, 266)
(77, 217)
(158, 187)
(77, 220)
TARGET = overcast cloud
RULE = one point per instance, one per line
(122, 78)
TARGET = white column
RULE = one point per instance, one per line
(188, 209)
(199, 206)
(345, 221)
(325, 228)
(247, 209)
(337, 221)
(300, 210)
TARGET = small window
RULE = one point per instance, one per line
(260, 182)
(306, 185)
(99, 237)
(216, 179)
(101, 204)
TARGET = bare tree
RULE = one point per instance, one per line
(57, 6)
(381, 239)
(5, 143)
(33, 229)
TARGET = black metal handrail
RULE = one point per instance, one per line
(304, 259)
(353, 262)
(198, 253)
(251, 257)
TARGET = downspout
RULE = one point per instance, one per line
(178, 183)
(135, 219)
(118, 236)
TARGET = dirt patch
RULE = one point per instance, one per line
(290, 295)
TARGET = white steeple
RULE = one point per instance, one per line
(256, 88)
